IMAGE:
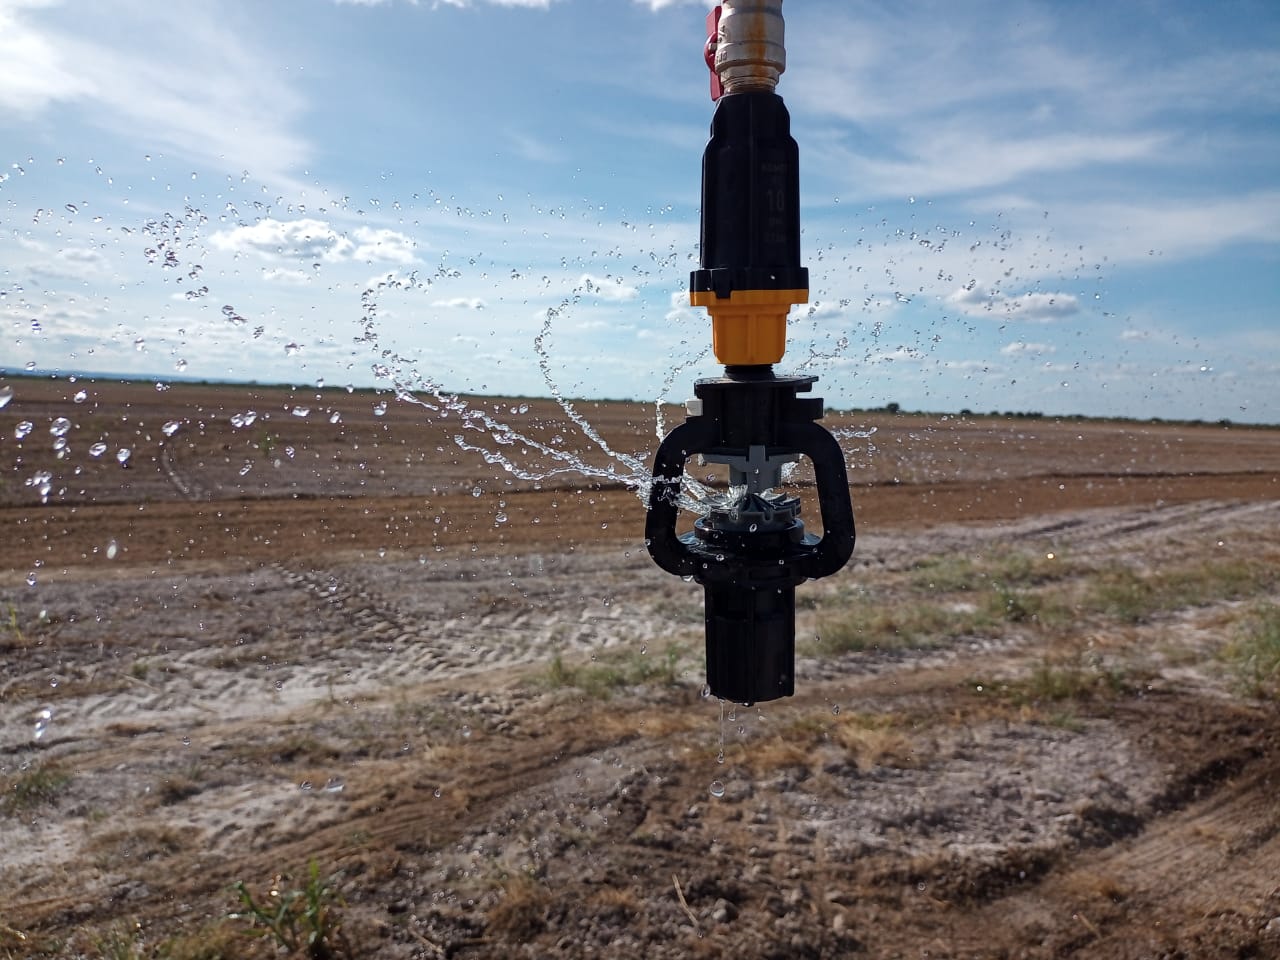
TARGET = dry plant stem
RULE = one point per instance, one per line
(684, 905)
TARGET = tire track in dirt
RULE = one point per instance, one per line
(1194, 872)
(1166, 521)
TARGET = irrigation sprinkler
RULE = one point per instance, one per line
(750, 550)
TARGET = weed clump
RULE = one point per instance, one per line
(1254, 654)
(304, 921)
(38, 786)
(602, 679)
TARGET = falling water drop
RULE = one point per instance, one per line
(112, 549)
(43, 718)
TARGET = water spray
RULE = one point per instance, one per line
(750, 551)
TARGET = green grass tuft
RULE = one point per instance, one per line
(601, 679)
(37, 786)
(1254, 654)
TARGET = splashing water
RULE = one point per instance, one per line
(619, 468)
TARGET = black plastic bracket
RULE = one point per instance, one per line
(750, 575)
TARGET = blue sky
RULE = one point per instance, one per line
(1070, 208)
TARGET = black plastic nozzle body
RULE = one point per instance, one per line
(750, 237)
(749, 567)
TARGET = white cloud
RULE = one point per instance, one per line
(654, 5)
(180, 79)
(310, 240)
(533, 149)
(285, 275)
(35, 73)
(314, 241)
(1020, 348)
(389, 245)
(1029, 307)
(946, 161)
(1175, 227)
(608, 288)
(461, 303)
(531, 4)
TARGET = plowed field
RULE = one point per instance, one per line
(1033, 716)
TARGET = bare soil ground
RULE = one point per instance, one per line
(471, 700)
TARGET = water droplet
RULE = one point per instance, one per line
(72, 208)
(335, 417)
(171, 427)
(466, 731)
(717, 788)
(140, 344)
(60, 427)
(80, 397)
(123, 455)
(436, 793)
(477, 491)
(31, 579)
(112, 549)
(98, 449)
(305, 785)
(291, 349)
(706, 691)
(181, 365)
(380, 408)
(301, 411)
(23, 428)
(835, 710)
(43, 719)
(500, 518)
(6, 394)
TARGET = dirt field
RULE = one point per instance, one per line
(325, 634)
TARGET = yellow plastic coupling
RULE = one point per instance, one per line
(749, 327)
